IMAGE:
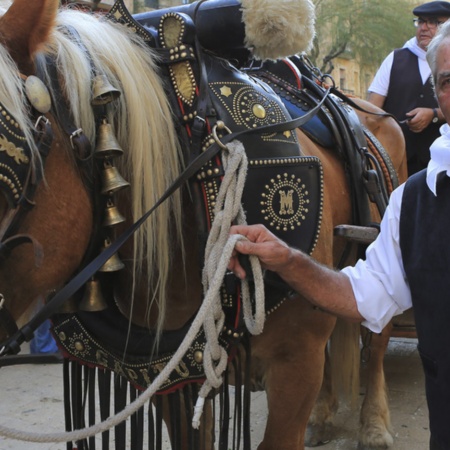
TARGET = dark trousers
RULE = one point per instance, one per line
(434, 445)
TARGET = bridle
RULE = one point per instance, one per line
(19, 177)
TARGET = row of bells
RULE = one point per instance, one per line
(106, 149)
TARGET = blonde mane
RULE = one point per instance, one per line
(142, 122)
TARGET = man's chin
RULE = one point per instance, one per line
(424, 43)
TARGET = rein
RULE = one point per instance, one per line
(12, 345)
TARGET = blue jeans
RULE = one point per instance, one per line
(43, 341)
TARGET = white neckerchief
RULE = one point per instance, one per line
(440, 157)
(413, 47)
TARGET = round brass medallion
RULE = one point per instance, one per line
(259, 111)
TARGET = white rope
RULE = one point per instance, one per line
(228, 209)
(208, 316)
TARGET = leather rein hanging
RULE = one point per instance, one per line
(16, 337)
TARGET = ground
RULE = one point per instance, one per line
(31, 399)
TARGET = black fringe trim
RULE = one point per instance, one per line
(91, 395)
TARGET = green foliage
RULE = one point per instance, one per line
(366, 30)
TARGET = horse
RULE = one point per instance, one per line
(61, 201)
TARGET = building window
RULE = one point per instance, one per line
(342, 79)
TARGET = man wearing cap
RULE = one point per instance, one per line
(403, 87)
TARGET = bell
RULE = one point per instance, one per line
(93, 299)
(107, 145)
(102, 91)
(114, 263)
(112, 180)
(112, 215)
(69, 306)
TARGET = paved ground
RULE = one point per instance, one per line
(31, 399)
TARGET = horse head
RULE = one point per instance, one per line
(55, 206)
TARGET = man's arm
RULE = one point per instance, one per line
(328, 289)
(376, 99)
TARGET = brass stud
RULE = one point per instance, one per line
(198, 356)
(79, 346)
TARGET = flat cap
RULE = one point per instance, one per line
(433, 9)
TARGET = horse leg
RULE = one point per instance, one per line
(177, 415)
(321, 421)
(291, 367)
(375, 419)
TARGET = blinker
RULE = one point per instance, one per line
(15, 158)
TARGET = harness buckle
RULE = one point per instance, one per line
(41, 119)
(74, 135)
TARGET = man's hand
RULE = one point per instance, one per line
(419, 119)
(273, 253)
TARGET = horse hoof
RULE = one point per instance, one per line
(376, 441)
(317, 435)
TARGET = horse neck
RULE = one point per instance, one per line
(184, 289)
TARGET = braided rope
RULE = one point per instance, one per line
(228, 209)
(208, 315)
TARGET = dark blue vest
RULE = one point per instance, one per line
(406, 92)
(424, 243)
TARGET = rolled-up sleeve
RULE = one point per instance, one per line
(379, 282)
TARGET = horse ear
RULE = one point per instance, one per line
(25, 28)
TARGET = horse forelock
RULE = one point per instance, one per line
(142, 122)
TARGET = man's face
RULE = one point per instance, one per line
(426, 29)
(443, 78)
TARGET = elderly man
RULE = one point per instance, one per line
(408, 264)
(402, 86)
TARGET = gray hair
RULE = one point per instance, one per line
(433, 47)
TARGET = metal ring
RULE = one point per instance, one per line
(39, 120)
(75, 134)
(220, 126)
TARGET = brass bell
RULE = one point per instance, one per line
(93, 298)
(114, 263)
(69, 306)
(112, 180)
(103, 91)
(112, 215)
(107, 145)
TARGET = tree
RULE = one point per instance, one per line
(366, 30)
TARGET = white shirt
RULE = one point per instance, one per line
(380, 83)
(379, 282)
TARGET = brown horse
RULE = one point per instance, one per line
(160, 287)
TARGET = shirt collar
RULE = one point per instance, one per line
(413, 46)
(440, 158)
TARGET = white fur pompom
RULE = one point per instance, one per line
(278, 28)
